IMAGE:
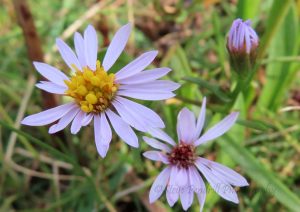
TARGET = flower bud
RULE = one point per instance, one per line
(242, 43)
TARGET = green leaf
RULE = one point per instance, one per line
(255, 124)
(220, 42)
(277, 14)
(280, 75)
(248, 8)
(213, 88)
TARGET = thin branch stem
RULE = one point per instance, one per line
(32, 41)
(13, 136)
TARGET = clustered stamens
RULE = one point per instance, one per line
(92, 90)
(183, 155)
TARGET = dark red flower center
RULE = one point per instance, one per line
(183, 155)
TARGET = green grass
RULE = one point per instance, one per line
(41, 172)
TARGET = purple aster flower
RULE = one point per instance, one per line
(242, 44)
(102, 96)
(181, 177)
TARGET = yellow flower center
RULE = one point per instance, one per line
(92, 90)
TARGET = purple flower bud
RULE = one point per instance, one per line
(242, 38)
(242, 43)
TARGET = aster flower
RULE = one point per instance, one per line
(242, 44)
(102, 96)
(181, 177)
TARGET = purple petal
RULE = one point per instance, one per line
(248, 22)
(156, 156)
(51, 87)
(181, 177)
(76, 124)
(186, 126)
(136, 66)
(156, 144)
(148, 116)
(160, 134)
(223, 188)
(159, 185)
(123, 129)
(187, 198)
(237, 35)
(198, 186)
(231, 34)
(116, 46)
(229, 175)
(79, 48)
(129, 117)
(172, 190)
(103, 134)
(48, 116)
(87, 119)
(201, 119)
(186, 195)
(247, 41)
(64, 121)
(154, 86)
(219, 129)
(146, 95)
(51, 73)
(90, 46)
(105, 129)
(67, 54)
(145, 76)
(241, 37)
(233, 31)
(253, 35)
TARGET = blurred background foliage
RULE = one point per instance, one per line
(42, 172)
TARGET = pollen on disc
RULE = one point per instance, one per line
(92, 90)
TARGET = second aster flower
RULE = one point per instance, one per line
(102, 96)
(181, 177)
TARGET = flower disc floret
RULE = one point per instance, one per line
(93, 91)
(183, 155)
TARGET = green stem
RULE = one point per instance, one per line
(237, 90)
(241, 86)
